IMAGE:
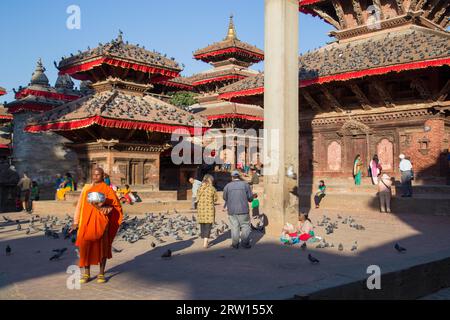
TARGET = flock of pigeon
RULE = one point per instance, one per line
(160, 228)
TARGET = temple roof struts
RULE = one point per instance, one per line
(354, 18)
(232, 49)
(128, 61)
(39, 96)
(408, 49)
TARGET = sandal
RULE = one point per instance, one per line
(85, 278)
(101, 278)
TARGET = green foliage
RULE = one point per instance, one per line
(183, 99)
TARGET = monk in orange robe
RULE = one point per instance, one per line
(97, 225)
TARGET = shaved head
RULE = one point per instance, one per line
(98, 175)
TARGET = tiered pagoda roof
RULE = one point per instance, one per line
(231, 48)
(128, 61)
(2, 91)
(39, 96)
(412, 48)
(120, 101)
(116, 109)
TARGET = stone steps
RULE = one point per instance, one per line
(436, 204)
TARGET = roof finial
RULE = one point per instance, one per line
(39, 77)
(119, 37)
(231, 30)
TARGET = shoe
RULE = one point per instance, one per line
(247, 246)
(85, 279)
(101, 278)
(235, 247)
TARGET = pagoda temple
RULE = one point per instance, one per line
(120, 126)
(381, 87)
(5, 130)
(231, 59)
(42, 155)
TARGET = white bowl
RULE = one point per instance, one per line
(96, 197)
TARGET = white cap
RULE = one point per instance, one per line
(402, 156)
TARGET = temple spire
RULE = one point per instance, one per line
(39, 77)
(231, 30)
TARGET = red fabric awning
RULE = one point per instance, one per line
(110, 123)
(242, 93)
(227, 51)
(5, 146)
(30, 107)
(181, 86)
(345, 76)
(235, 116)
(6, 117)
(74, 70)
(51, 95)
(218, 79)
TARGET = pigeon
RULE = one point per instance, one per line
(312, 259)
(167, 254)
(153, 245)
(399, 248)
(58, 254)
(8, 250)
(340, 247)
(355, 246)
(303, 246)
(19, 226)
(116, 250)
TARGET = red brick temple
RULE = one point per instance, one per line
(120, 126)
(379, 88)
(231, 59)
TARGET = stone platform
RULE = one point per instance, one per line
(267, 271)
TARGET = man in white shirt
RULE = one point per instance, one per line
(406, 171)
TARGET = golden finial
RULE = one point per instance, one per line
(231, 30)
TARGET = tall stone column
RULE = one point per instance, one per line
(281, 112)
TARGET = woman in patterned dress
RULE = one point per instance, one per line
(206, 212)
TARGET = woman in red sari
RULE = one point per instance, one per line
(97, 225)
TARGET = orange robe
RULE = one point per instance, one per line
(90, 220)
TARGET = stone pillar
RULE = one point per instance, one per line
(281, 112)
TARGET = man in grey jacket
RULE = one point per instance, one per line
(237, 195)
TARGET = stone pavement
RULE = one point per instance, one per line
(268, 270)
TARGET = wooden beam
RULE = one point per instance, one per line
(432, 6)
(412, 5)
(333, 101)
(443, 93)
(401, 9)
(383, 93)
(440, 13)
(358, 10)
(340, 13)
(325, 16)
(420, 5)
(91, 133)
(420, 85)
(362, 98)
(314, 105)
(129, 135)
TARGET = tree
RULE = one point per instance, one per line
(183, 99)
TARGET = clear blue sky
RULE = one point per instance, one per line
(31, 29)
